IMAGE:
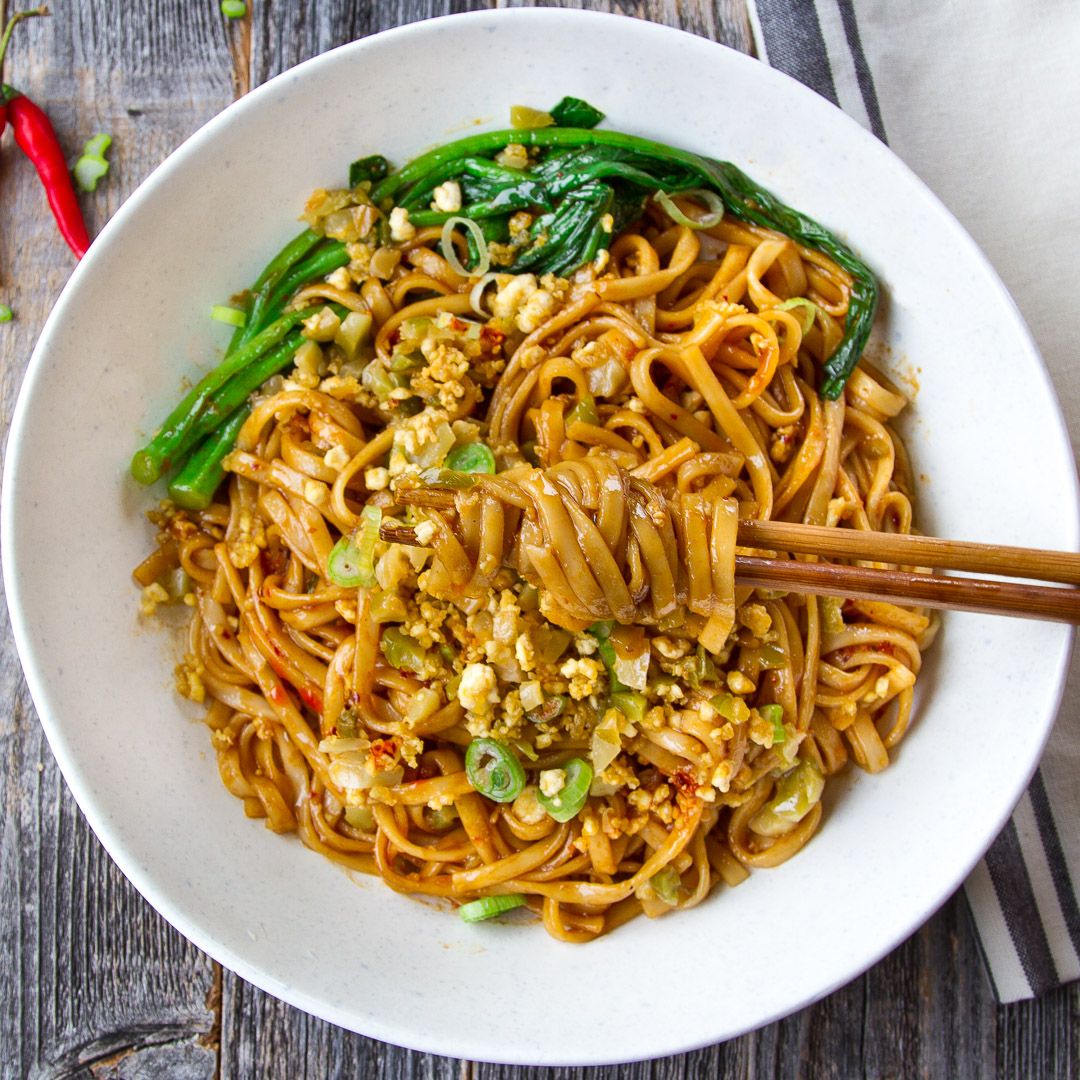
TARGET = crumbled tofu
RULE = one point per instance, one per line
(511, 296)
(316, 492)
(336, 457)
(721, 777)
(756, 618)
(738, 683)
(447, 197)
(339, 279)
(531, 694)
(552, 781)
(635, 404)
(585, 644)
(515, 156)
(322, 326)
(377, 478)
(425, 532)
(401, 228)
(525, 653)
(607, 223)
(670, 692)
(478, 688)
(535, 311)
(584, 675)
(527, 806)
(152, 595)
(671, 648)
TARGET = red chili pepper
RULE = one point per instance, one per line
(37, 139)
(5, 37)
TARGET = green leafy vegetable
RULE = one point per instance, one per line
(574, 113)
(372, 168)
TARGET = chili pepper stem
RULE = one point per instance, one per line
(14, 21)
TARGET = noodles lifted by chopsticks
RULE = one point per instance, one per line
(555, 691)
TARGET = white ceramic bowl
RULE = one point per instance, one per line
(132, 322)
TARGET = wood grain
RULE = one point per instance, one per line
(92, 982)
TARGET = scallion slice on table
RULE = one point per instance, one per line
(487, 907)
(233, 9)
(6, 314)
(494, 770)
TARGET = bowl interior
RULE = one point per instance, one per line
(139, 762)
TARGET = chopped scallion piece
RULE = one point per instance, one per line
(487, 907)
(774, 714)
(494, 770)
(232, 316)
(474, 457)
(402, 651)
(713, 201)
(88, 171)
(666, 884)
(810, 310)
(570, 798)
(352, 559)
(631, 704)
(233, 9)
(97, 146)
(6, 314)
(584, 410)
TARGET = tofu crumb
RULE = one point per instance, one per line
(515, 156)
(531, 694)
(152, 596)
(447, 197)
(425, 532)
(316, 492)
(337, 457)
(527, 806)
(584, 676)
(377, 478)
(552, 781)
(478, 689)
(401, 228)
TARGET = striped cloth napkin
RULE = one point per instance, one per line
(983, 101)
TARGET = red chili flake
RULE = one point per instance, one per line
(491, 338)
(394, 336)
(383, 754)
(311, 698)
(684, 780)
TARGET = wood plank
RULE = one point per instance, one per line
(90, 976)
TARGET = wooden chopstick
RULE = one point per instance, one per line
(900, 587)
(906, 549)
(871, 583)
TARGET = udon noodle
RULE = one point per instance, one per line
(645, 730)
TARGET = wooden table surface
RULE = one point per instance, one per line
(92, 981)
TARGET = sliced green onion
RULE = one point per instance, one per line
(446, 243)
(521, 116)
(232, 316)
(346, 725)
(487, 907)
(774, 714)
(233, 9)
(797, 793)
(584, 410)
(771, 656)
(709, 198)
(494, 770)
(352, 560)
(6, 314)
(97, 146)
(88, 171)
(402, 651)
(666, 884)
(631, 704)
(571, 798)
(810, 308)
(474, 457)
(446, 478)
